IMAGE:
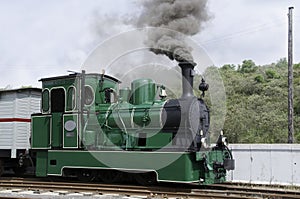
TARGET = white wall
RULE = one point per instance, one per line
(266, 163)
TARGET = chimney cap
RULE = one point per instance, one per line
(189, 64)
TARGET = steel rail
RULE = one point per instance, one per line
(226, 190)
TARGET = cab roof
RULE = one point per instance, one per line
(19, 90)
(74, 75)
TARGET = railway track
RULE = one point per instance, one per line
(33, 188)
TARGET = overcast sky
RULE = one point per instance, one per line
(47, 38)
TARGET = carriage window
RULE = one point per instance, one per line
(89, 95)
(57, 100)
(45, 101)
(71, 98)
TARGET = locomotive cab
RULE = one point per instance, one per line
(66, 102)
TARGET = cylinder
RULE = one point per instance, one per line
(143, 91)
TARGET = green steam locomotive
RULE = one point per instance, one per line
(91, 129)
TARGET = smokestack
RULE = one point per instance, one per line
(187, 70)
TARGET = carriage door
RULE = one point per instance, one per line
(57, 110)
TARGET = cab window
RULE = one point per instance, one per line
(89, 95)
(45, 101)
(71, 98)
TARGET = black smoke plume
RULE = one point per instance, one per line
(175, 20)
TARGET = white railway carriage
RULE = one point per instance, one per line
(16, 107)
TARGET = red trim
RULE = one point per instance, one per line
(14, 120)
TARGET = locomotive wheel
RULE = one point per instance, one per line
(148, 178)
(86, 175)
(110, 176)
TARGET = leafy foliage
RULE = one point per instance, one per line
(248, 66)
(271, 74)
(256, 102)
(259, 79)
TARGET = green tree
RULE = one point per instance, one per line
(248, 66)
(259, 79)
(228, 67)
(271, 74)
(282, 63)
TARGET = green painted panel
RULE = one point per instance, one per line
(67, 81)
(169, 166)
(41, 131)
(70, 138)
(41, 163)
(56, 140)
(159, 140)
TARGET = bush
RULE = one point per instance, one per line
(259, 79)
(271, 74)
(248, 66)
